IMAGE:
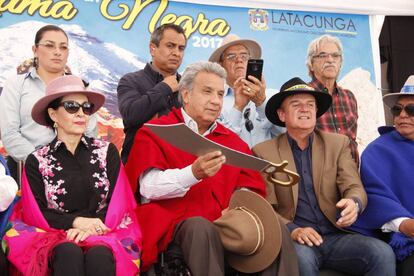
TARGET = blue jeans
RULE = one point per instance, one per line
(349, 253)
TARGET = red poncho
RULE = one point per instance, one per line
(207, 199)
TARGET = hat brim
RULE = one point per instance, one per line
(265, 255)
(391, 99)
(39, 108)
(254, 49)
(323, 102)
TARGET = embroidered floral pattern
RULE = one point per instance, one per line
(101, 178)
(126, 220)
(49, 168)
(47, 165)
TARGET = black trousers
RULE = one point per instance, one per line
(12, 165)
(3, 264)
(406, 267)
(68, 259)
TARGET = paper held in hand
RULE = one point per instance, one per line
(182, 137)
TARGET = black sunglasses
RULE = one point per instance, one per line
(397, 109)
(248, 123)
(73, 107)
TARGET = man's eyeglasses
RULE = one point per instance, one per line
(233, 57)
(324, 55)
(50, 46)
(397, 109)
(247, 122)
(73, 107)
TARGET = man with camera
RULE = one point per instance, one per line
(245, 95)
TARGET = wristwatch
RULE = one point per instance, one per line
(357, 205)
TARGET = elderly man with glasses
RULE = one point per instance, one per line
(244, 100)
(324, 62)
(387, 172)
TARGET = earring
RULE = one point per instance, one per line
(35, 62)
(55, 125)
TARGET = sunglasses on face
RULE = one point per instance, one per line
(73, 107)
(397, 109)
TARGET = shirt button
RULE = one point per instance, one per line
(339, 128)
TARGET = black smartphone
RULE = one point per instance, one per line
(254, 68)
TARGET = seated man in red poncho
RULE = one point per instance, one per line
(181, 194)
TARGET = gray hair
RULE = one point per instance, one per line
(190, 73)
(315, 45)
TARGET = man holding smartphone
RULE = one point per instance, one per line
(245, 96)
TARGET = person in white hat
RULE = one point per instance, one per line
(244, 100)
(387, 172)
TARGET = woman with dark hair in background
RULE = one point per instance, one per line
(76, 213)
(19, 133)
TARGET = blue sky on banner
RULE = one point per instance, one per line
(283, 35)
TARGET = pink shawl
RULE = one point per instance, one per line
(31, 239)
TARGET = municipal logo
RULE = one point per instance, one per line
(259, 19)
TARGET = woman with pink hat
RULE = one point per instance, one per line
(76, 214)
(19, 133)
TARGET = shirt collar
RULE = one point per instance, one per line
(56, 143)
(228, 91)
(294, 145)
(157, 76)
(192, 124)
(321, 87)
(32, 73)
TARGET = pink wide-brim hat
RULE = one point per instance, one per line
(232, 39)
(61, 87)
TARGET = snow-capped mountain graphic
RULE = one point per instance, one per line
(102, 64)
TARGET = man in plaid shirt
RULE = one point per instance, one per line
(324, 63)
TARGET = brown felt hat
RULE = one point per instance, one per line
(250, 232)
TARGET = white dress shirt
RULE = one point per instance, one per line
(393, 225)
(156, 184)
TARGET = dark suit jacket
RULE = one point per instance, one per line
(334, 173)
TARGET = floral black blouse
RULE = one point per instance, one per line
(67, 185)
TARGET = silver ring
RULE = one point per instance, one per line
(249, 89)
(98, 229)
